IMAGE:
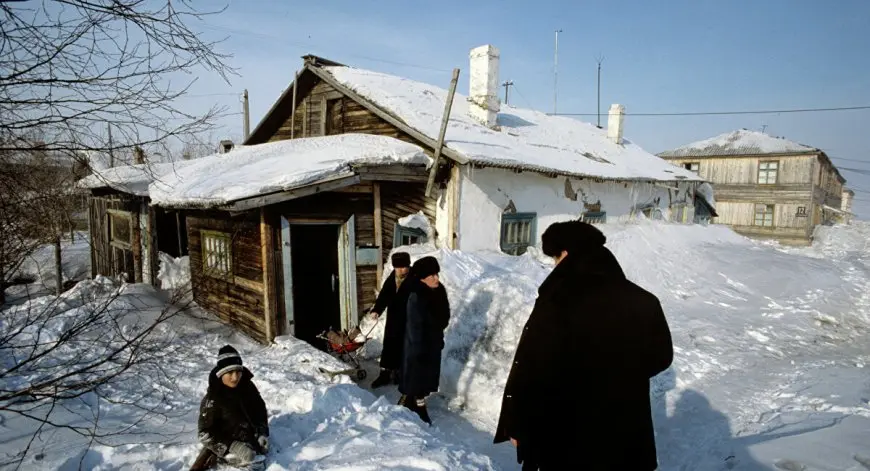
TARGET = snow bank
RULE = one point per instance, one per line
(75, 262)
(315, 422)
(526, 139)
(174, 273)
(278, 166)
(741, 314)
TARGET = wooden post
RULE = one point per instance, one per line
(178, 231)
(268, 279)
(293, 108)
(453, 207)
(440, 143)
(379, 230)
(58, 265)
(136, 242)
(152, 244)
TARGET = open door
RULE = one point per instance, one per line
(319, 268)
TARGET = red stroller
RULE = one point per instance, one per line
(343, 346)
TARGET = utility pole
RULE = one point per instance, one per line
(111, 147)
(507, 84)
(247, 115)
(600, 60)
(556, 73)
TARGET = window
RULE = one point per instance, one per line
(408, 236)
(594, 217)
(767, 172)
(217, 259)
(517, 232)
(120, 229)
(692, 166)
(764, 215)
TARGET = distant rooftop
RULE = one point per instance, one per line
(742, 142)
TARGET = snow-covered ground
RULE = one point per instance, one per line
(40, 266)
(770, 343)
(770, 367)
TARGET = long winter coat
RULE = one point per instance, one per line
(395, 301)
(577, 396)
(231, 414)
(428, 316)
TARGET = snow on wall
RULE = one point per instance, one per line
(485, 193)
(144, 242)
(442, 218)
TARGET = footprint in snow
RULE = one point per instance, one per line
(790, 465)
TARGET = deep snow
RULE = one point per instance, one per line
(769, 373)
(770, 343)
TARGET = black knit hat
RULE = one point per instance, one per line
(228, 360)
(401, 260)
(425, 267)
(570, 236)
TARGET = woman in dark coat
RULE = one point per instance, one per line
(427, 316)
(393, 299)
(577, 396)
(233, 422)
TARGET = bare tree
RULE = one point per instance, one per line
(70, 69)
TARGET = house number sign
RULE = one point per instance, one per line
(801, 212)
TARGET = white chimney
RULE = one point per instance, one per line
(615, 122)
(483, 88)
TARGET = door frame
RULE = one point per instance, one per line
(346, 249)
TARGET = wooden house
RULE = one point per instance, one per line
(126, 231)
(299, 243)
(766, 187)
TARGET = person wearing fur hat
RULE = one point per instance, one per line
(233, 422)
(589, 325)
(393, 300)
(428, 313)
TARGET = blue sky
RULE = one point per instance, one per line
(679, 55)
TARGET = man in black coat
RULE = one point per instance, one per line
(393, 299)
(428, 316)
(577, 396)
(233, 422)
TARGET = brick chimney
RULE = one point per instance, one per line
(483, 87)
(615, 120)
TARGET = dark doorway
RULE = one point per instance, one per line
(316, 290)
(171, 232)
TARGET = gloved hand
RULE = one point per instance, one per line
(263, 441)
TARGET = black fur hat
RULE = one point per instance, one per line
(570, 236)
(425, 267)
(401, 260)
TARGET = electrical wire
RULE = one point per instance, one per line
(745, 112)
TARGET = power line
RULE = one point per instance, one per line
(855, 170)
(312, 46)
(718, 113)
(850, 160)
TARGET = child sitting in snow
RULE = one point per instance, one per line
(233, 423)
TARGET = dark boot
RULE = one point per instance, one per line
(416, 405)
(383, 379)
(423, 413)
(205, 460)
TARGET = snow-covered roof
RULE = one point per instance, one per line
(255, 170)
(527, 139)
(741, 142)
(133, 179)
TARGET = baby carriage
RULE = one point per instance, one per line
(344, 346)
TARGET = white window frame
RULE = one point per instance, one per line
(768, 168)
(217, 254)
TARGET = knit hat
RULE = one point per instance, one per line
(570, 236)
(401, 260)
(228, 360)
(425, 267)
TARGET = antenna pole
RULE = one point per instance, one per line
(556, 73)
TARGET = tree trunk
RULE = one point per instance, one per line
(58, 265)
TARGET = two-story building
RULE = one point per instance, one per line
(767, 187)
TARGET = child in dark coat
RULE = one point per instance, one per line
(233, 422)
